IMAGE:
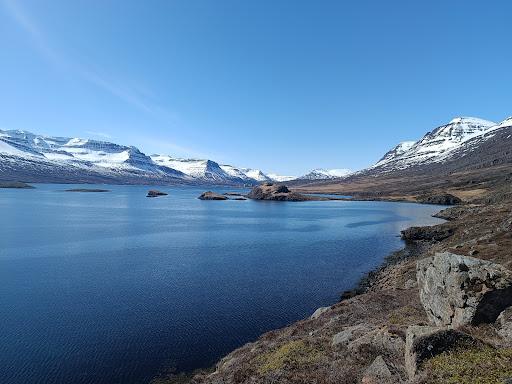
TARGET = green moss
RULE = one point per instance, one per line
(471, 366)
(292, 354)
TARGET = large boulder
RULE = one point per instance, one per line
(349, 334)
(457, 290)
(423, 342)
(382, 340)
(378, 373)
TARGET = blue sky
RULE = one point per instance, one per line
(284, 86)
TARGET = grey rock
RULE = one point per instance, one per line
(504, 323)
(458, 290)
(378, 339)
(409, 284)
(377, 373)
(319, 312)
(348, 334)
(423, 342)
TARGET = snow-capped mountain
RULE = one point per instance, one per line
(255, 174)
(73, 159)
(280, 178)
(438, 145)
(38, 158)
(206, 171)
(325, 174)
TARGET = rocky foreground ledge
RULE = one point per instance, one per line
(439, 312)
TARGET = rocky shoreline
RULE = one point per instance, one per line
(378, 331)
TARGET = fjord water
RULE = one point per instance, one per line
(116, 287)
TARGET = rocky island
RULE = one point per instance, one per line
(156, 193)
(15, 185)
(278, 192)
(209, 195)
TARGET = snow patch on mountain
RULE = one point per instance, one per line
(280, 178)
(255, 174)
(321, 174)
(401, 148)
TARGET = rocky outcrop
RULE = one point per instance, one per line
(382, 339)
(155, 193)
(441, 199)
(423, 342)
(209, 195)
(278, 192)
(378, 373)
(452, 213)
(434, 233)
(319, 312)
(349, 334)
(458, 290)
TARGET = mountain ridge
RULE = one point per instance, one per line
(38, 158)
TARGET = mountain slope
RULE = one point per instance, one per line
(478, 163)
(325, 174)
(435, 146)
(38, 158)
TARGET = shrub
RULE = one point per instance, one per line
(295, 353)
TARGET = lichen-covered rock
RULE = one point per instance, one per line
(424, 342)
(379, 340)
(377, 373)
(504, 323)
(458, 290)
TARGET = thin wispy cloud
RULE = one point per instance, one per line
(122, 90)
(38, 40)
(42, 44)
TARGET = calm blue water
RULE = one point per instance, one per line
(116, 287)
